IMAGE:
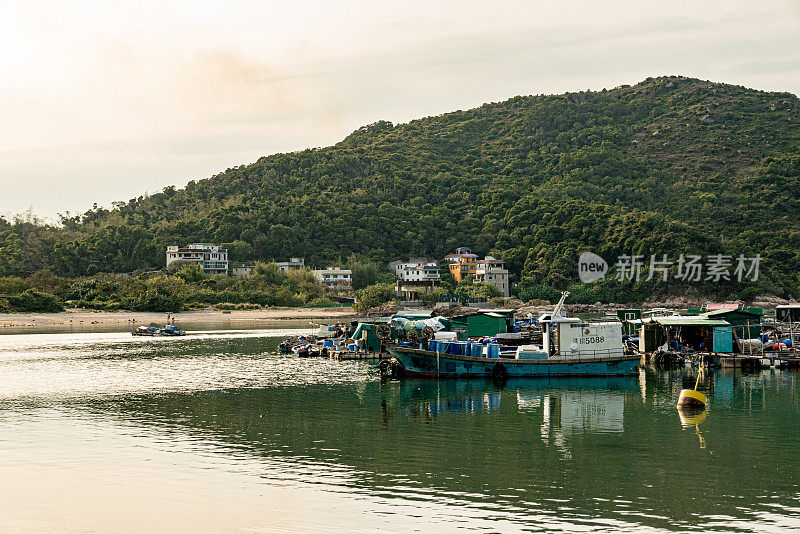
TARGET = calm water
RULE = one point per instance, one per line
(103, 432)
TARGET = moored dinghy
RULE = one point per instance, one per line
(571, 347)
(155, 330)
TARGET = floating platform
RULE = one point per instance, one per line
(790, 359)
(768, 359)
(341, 355)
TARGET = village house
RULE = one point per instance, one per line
(493, 271)
(294, 264)
(211, 258)
(415, 276)
(335, 278)
(462, 263)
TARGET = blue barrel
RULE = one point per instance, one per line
(327, 343)
(493, 350)
(432, 345)
(454, 348)
(787, 342)
(477, 350)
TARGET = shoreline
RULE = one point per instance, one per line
(97, 319)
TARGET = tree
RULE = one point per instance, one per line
(374, 295)
(485, 290)
(364, 273)
(191, 272)
(269, 272)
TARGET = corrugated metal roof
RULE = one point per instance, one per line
(413, 314)
(689, 320)
(716, 313)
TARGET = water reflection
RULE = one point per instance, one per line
(569, 452)
(570, 405)
(691, 418)
(534, 454)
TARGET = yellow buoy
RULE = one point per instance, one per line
(691, 398)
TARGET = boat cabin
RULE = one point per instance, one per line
(571, 337)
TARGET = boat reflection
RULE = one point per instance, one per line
(478, 403)
(571, 405)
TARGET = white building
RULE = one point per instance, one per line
(493, 271)
(417, 275)
(293, 264)
(417, 270)
(211, 258)
(335, 278)
(398, 266)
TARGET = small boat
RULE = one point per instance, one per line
(172, 330)
(155, 330)
(571, 347)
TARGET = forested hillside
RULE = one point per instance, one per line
(671, 165)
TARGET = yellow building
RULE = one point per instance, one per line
(462, 264)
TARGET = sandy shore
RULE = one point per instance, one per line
(78, 318)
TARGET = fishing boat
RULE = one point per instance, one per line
(571, 347)
(155, 330)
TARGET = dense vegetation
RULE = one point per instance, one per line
(163, 291)
(669, 166)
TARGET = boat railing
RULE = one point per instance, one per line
(587, 354)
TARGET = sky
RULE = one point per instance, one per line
(105, 101)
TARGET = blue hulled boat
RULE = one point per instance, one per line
(426, 363)
(571, 347)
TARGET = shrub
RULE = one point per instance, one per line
(13, 285)
(32, 300)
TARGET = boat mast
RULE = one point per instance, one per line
(557, 311)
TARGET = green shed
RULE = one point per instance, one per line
(651, 336)
(626, 315)
(485, 323)
(694, 332)
(786, 313)
(723, 339)
(746, 322)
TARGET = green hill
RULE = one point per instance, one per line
(671, 165)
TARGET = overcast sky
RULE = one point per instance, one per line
(102, 101)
